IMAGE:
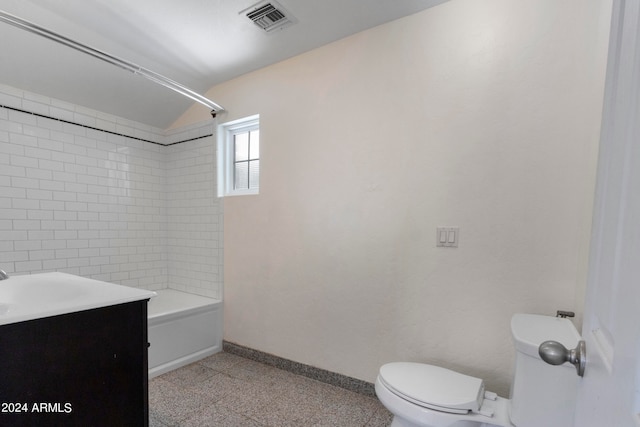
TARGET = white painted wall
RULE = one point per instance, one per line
(478, 114)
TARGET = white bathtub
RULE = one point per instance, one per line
(183, 328)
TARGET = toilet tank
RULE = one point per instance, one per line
(542, 394)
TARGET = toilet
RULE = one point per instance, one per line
(421, 395)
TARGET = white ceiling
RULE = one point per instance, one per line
(198, 43)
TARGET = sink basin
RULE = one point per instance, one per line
(36, 296)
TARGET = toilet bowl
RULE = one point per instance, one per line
(425, 395)
(421, 395)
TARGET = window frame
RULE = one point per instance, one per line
(226, 155)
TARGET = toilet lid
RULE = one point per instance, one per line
(433, 387)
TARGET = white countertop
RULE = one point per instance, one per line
(41, 295)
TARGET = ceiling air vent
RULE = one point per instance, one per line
(269, 16)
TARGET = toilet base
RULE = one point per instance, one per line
(399, 422)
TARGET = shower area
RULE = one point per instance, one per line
(98, 196)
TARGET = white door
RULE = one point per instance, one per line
(609, 392)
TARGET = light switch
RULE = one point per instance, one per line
(447, 237)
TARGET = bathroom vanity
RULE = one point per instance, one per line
(74, 353)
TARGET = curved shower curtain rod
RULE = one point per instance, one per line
(129, 66)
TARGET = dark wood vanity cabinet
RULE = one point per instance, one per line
(87, 368)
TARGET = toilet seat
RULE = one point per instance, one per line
(433, 387)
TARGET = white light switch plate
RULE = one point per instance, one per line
(447, 237)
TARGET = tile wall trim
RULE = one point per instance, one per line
(20, 110)
(328, 377)
(187, 140)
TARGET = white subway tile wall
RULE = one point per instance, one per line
(107, 206)
(194, 215)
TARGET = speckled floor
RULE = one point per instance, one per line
(226, 390)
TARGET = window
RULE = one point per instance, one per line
(239, 157)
